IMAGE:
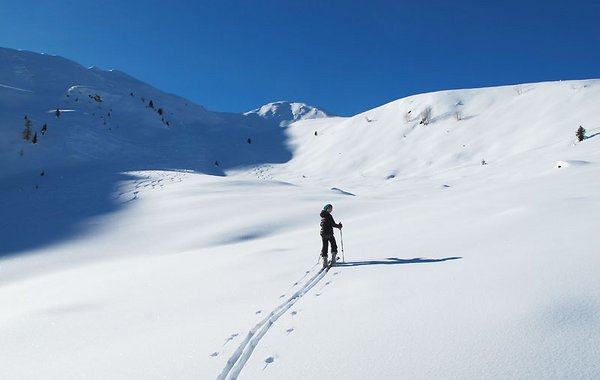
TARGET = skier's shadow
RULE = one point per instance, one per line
(393, 261)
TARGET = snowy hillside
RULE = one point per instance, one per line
(469, 220)
(109, 116)
(464, 128)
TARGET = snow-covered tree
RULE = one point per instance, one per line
(519, 89)
(426, 116)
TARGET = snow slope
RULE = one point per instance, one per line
(466, 128)
(110, 116)
(453, 269)
(108, 124)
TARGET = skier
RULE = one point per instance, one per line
(327, 224)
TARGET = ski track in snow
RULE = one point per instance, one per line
(149, 180)
(14, 88)
(242, 354)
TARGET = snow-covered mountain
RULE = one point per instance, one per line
(437, 132)
(108, 116)
(469, 247)
(285, 113)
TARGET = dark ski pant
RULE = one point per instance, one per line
(326, 240)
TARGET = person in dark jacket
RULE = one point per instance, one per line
(327, 225)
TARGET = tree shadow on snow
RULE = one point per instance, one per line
(393, 261)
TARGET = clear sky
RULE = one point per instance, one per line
(343, 56)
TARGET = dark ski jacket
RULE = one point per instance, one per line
(327, 223)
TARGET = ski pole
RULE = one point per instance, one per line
(342, 241)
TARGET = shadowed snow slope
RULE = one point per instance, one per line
(88, 115)
(469, 220)
(87, 126)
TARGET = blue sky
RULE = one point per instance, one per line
(343, 56)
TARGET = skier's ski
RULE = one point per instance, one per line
(330, 264)
(326, 268)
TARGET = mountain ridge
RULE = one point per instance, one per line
(92, 115)
(109, 116)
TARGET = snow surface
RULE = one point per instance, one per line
(134, 257)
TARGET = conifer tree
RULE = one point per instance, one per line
(27, 130)
(580, 133)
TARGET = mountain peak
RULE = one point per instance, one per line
(285, 113)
